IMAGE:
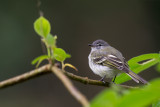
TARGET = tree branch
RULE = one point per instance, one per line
(68, 84)
(61, 74)
(25, 76)
(47, 69)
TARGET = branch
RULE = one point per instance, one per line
(47, 69)
(61, 74)
(68, 84)
(25, 76)
(85, 80)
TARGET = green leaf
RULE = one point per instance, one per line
(39, 59)
(42, 27)
(51, 40)
(141, 97)
(120, 97)
(156, 104)
(107, 98)
(152, 59)
(68, 55)
(158, 67)
(60, 55)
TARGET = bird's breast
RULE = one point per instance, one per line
(101, 70)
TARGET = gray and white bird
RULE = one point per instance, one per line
(108, 62)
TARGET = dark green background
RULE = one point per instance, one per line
(133, 27)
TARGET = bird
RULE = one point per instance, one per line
(107, 62)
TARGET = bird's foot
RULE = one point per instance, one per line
(102, 79)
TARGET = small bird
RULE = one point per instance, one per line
(108, 62)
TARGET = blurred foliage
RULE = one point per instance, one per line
(158, 67)
(156, 103)
(119, 97)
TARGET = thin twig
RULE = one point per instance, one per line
(46, 69)
(68, 84)
(85, 80)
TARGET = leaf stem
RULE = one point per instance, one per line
(49, 52)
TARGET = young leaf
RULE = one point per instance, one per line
(137, 67)
(42, 27)
(51, 40)
(68, 55)
(39, 59)
(70, 65)
(60, 55)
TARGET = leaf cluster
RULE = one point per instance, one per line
(43, 28)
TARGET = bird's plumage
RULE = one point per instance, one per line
(107, 61)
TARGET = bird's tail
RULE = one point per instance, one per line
(135, 77)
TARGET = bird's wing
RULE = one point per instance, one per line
(109, 60)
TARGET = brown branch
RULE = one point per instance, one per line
(60, 74)
(46, 69)
(85, 80)
(68, 84)
(25, 76)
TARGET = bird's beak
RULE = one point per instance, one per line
(90, 45)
